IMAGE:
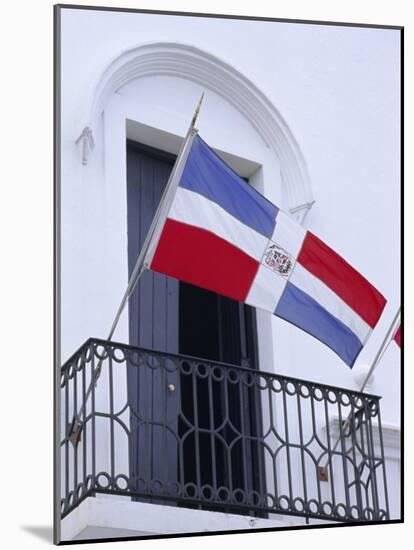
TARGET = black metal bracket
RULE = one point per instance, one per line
(74, 432)
(323, 473)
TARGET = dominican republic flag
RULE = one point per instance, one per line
(221, 234)
(397, 336)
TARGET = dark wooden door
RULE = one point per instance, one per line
(153, 324)
(169, 316)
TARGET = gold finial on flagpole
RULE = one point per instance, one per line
(197, 111)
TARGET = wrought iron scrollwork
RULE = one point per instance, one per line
(293, 439)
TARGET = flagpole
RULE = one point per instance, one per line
(141, 264)
(377, 358)
(162, 207)
(382, 348)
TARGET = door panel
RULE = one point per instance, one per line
(220, 329)
(153, 314)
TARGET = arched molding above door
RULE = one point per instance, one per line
(193, 64)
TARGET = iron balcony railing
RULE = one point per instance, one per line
(174, 429)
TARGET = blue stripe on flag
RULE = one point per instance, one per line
(298, 308)
(205, 173)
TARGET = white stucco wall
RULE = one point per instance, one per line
(338, 91)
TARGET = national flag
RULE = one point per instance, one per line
(397, 336)
(219, 233)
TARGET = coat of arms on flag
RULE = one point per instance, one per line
(277, 259)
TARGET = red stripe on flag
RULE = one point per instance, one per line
(343, 279)
(203, 259)
(397, 336)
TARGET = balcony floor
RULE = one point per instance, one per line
(112, 517)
